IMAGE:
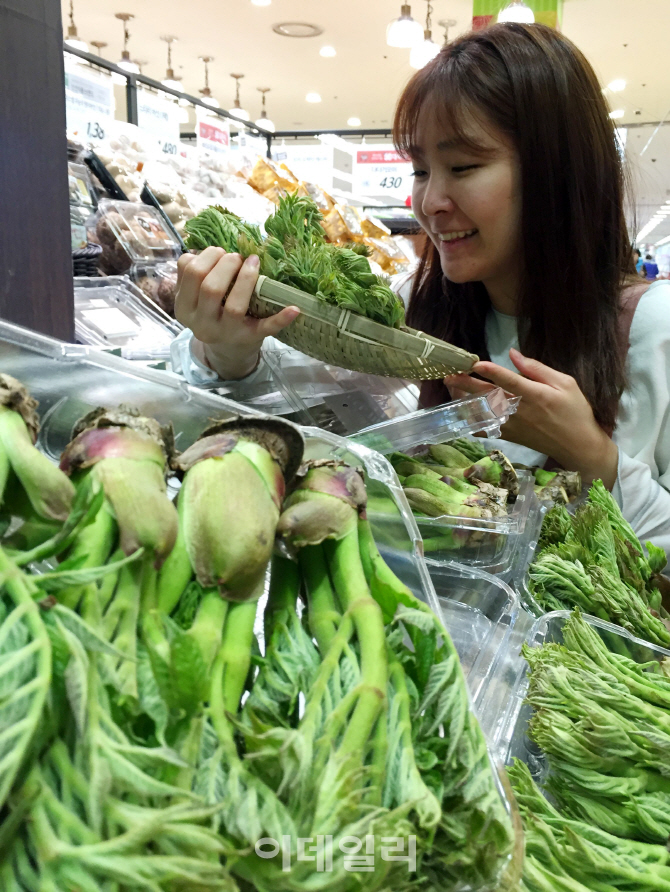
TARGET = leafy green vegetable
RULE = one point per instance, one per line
(296, 253)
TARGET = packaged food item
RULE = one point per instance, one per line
(158, 281)
(267, 174)
(130, 233)
(335, 225)
(374, 228)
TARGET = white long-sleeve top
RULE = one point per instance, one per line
(642, 434)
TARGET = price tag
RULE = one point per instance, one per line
(213, 137)
(89, 104)
(380, 171)
(159, 117)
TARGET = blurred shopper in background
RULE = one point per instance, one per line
(650, 268)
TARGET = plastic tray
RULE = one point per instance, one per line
(481, 612)
(112, 312)
(503, 710)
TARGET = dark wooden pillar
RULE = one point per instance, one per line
(35, 247)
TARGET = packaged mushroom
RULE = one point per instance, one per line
(130, 233)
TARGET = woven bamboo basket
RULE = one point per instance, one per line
(350, 341)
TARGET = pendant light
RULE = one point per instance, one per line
(517, 11)
(237, 109)
(424, 52)
(206, 94)
(125, 61)
(264, 121)
(99, 45)
(72, 38)
(170, 80)
(404, 32)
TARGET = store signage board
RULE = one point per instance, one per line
(159, 117)
(313, 164)
(380, 170)
(89, 103)
(213, 136)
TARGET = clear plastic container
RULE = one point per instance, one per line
(69, 381)
(502, 709)
(158, 281)
(130, 233)
(485, 544)
(112, 312)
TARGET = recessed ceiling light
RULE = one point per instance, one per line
(328, 52)
(617, 85)
(313, 97)
(297, 29)
(354, 122)
(617, 113)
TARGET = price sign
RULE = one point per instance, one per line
(381, 171)
(213, 136)
(89, 104)
(160, 118)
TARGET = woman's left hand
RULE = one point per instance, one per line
(553, 417)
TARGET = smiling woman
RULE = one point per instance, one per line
(519, 186)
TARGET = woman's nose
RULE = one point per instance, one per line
(436, 199)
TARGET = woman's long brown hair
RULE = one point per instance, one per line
(535, 86)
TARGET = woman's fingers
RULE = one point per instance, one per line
(538, 371)
(462, 384)
(270, 327)
(192, 271)
(215, 287)
(509, 381)
(237, 302)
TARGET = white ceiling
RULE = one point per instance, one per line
(622, 38)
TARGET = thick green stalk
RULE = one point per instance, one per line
(324, 614)
(152, 624)
(283, 595)
(237, 642)
(209, 624)
(5, 468)
(94, 545)
(351, 586)
(175, 574)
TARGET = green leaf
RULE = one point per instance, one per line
(86, 634)
(63, 579)
(149, 694)
(76, 678)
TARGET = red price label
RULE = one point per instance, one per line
(213, 134)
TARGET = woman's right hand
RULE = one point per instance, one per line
(213, 294)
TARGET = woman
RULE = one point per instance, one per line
(519, 186)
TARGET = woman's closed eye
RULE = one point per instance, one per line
(418, 173)
(464, 167)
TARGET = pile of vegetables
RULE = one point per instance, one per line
(163, 712)
(296, 253)
(594, 560)
(603, 722)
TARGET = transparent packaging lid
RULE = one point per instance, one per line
(112, 312)
(138, 229)
(476, 414)
(81, 186)
(380, 412)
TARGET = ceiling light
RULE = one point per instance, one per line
(354, 122)
(261, 2)
(424, 52)
(313, 97)
(206, 93)
(237, 109)
(297, 29)
(517, 11)
(404, 32)
(328, 52)
(170, 80)
(125, 62)
(264, 121)
(617, 113)
(99, 45)
(617, 85)
(72, 38)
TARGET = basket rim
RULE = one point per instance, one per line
(414, 343)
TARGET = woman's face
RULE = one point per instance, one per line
(469, 203)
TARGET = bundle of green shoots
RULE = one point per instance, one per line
(594, 560)
(604, 722)
(296, 253)
(157, 723)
